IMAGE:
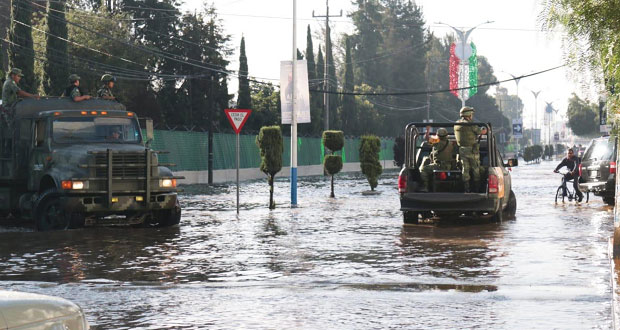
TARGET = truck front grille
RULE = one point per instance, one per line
(123, 165)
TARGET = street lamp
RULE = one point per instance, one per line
(463, 36)
(535, 93)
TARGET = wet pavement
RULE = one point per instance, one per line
(345, 263)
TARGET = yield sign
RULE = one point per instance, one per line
(237, 118)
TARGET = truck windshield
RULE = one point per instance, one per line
(95, 130)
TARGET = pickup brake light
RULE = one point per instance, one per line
(612, 168)
(402, 183)
(493, 184)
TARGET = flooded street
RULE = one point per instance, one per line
(345, 263)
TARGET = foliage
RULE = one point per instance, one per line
(244, 101)
(533, 153)
(399, 151)
(333, 140)
(370, 146)
(56, 69)
(269, 141)
(332, 164)
(348, 112)
(21, 51)
(265, 107)
(582, 116)
(316, 99)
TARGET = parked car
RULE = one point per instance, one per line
(598, 168)
(494, 197)
(20, 310)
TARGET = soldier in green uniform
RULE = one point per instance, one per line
(11, 91)
(441, 157)
(74, 91)
(105, 92)
(469, 150)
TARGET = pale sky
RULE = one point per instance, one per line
(513, 43)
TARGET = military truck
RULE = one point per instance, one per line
(66, 164)
(447, 197)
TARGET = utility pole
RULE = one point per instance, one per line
(535, 93)
(210, 133)
(327, 52)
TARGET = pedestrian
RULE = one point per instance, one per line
(441, 156)
(11, 91)
(74, 91)
(467, 138)
(572, 163)
(105, 92)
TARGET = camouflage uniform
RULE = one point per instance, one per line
(104, 91)
(469, 150)
(75, 92)
(441, 159)
(9, 92)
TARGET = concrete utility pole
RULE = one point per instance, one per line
(463, 36)
(535, 93)
(327, 52)
(294, 113)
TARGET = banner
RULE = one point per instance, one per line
(302, 92)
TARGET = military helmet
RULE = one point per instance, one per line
(466, 111)
(107, 78)
(16, 71)
(442, 132)
(73, 78)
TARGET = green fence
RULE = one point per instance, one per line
(188, 150)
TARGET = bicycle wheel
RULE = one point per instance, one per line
(559, 195)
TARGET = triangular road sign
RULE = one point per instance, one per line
(237, 118)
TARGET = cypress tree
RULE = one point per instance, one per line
(348, 101)
(244, 101)
(57, 67)
(317, 126)
(334, 121)
(316, 110)
(21, 54)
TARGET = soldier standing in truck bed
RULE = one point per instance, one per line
(469, 150)
(105, 92)
(74, 91)
(11, 91)
(441, 155)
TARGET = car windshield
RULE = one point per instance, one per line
(96, 130)
(600, 150)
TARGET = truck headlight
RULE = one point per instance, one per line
(74, 185)
(168, 183)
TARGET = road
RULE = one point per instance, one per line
(346, 263)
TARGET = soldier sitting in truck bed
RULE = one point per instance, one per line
(74, 91)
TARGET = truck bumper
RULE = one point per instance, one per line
(122, 210)
(606, 188)
(448, 202)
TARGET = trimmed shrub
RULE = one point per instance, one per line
(271, 145)
(333, 140)
(370, 147)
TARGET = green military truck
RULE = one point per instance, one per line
(68, 164)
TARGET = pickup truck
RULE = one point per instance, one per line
(598, 169)
(446, 197)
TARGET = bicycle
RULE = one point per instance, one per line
(570, 191)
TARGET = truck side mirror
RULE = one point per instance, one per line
(512, 162)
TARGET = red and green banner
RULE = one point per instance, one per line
(463, 74)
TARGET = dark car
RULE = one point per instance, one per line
(447, 196)
(598, 168)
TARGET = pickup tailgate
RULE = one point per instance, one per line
(448, 202)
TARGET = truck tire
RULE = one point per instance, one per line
(511, 208)
(168, 218)
(48, 212)
(410, 218)
(609, 200)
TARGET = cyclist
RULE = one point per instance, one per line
(572, 163)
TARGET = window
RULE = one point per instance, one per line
(39, 132)
(96, 130)
(600, 150)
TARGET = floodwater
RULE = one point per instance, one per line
(346, 263)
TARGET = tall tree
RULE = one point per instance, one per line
(349, 115)
(21, 52)
(320, 73)
(316, 110)
(56, 69)
(244, 100)
(367, 39)
(582, 116)
(332, 83)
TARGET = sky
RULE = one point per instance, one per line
(513, 43)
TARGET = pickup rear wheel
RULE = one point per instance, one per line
(511, 208)
(49, 213)
(410, 218)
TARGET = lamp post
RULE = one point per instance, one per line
(463, 36)
(516, 80)
(535, 93)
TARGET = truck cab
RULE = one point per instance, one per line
(68, 164)
(446, 196)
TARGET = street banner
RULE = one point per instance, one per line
(302, 92)
(517, 128)
(237, 118)
(463, 70)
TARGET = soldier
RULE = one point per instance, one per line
(11, 91)
(441, 156)
(469, 150)
(105, 92)
(74, 91)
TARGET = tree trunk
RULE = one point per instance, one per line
(332, 194)
(272, 205)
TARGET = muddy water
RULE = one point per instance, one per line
(331, 263)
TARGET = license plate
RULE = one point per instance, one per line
(593, 174)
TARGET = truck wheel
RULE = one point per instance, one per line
(410, 218)
(167, 218)
(511, 208)
(48, 212)
(609, 200)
